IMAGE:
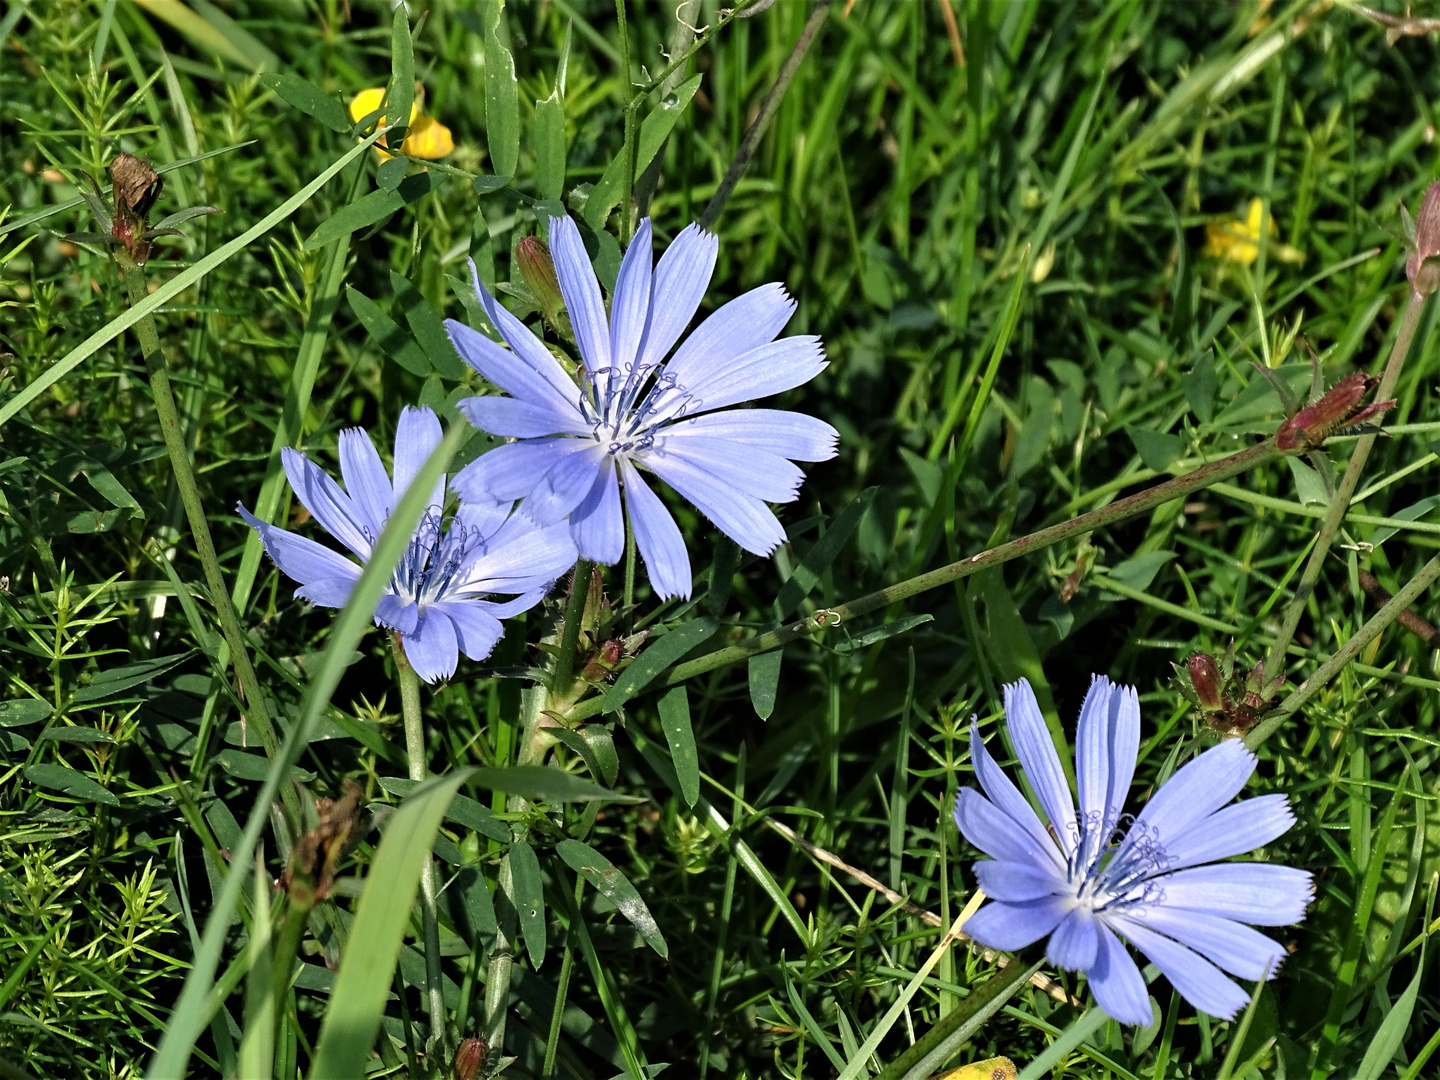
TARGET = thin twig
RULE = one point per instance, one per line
(1407, 618)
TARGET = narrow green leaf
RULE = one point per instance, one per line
(654, 129)
(69, 782)
(428, 328)
(393, 341)
(471, 908)
(661, 654)
(214, 31)
(367, 965)
(883, 632)
(12, 979)
(400, 94)
(257, 1046)
(596, 748)
(764, 672)
(309, 99)
(109, 684)
(529, 899)
(675, 719)
(549, 132)
(818, 559)
(540, 784)
(462, 810)
(605, 876)
(376, 206)
(86, 735)
(253, 766)
(502, 96)
(26, 711)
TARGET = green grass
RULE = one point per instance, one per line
(1007, 263)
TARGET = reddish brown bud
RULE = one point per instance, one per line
(1205, 678)
(537, 269)
(1423, 266)
(1339, 408)
(136, 188)
(468, 1059)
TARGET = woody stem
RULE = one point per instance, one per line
(1340, 504)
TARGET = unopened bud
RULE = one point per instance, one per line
(1423, 266)
(1205, 678)
(136, 188)
(1339, 408)
(537, 269)
(468, 1059)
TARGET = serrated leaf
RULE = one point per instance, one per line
(541, 784)
(659, 655)
(69, 782)
(393, 341)
(502, 95)
(309, 99)
(764, 678)
(603, 875)
(428, 328)
(374, 207)
(680, 734)
(529, 898)
(654, 129)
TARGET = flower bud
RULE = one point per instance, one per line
(1423, 266)
(468, 1059)
(1339, 408)
(136, 188)
(1205, 678)
(537, 269)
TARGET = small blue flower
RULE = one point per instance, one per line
(1088, 877)
(578, 445)
(437, 597)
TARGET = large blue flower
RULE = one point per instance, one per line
(579, 444)
(437, 597)
(1090, 876)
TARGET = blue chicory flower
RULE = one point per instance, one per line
(437, 598)
(1093, 875)
(579, 444)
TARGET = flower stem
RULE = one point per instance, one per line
(253, 702)
(1340, 504)
(562, 990)
(564, 676)
(1142, 502)
(1392, 610)
(438, 1044)
(629, 571)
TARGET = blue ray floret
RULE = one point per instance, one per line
(438, 598)
(1088, 877)
(579, 443)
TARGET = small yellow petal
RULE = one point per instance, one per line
(428, 139)
(366, 102)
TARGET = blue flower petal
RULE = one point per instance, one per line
(1231, 830)
(1008, 800)
(789, 434)
(1116, 982)
(997, 835)
(397, 614)
(1239, 949)
(523, 602)
(657, 536)
(476, 629)
(581, 290)
(630, 303)
(746, 469)
(366, 479)
(1041, 763)
(749, 321)
(1000, 925)
(1259, 893)
(1198, 981)
(1075, 942)
(529, 352)
(431, 647)
(769, 369)
(513, 418)
(512, 471)
(681, 278)
(519, 558)
(482, 519)
(597, 525)
(1014, 882)
(326, 577)
(1106, 744)
(743, 518)
(328, 504)
(416, 437)
(1197, 790)
(564, 486)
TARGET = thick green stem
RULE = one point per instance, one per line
(253, 703)
(1340, 504)
(983, 1000)
(1120, 510)
(562, 990)
(439, 1042)
(1348, 652)
(564, 677)
(629, 149)
(629, 571)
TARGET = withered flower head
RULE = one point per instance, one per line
(137, 185)
(1339, 408)
(311, 873)
(1423, 266)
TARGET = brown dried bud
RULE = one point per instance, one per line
(136, 188)
(1339, 408)
(1423, 266)
(469, 1058)
(1205, 678)
(537, 269)
(311, 873)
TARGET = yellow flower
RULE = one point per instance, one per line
(427, 137)
(1239, 241)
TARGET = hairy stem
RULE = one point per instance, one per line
(415, 754)
(1348, 652)
(252, 702)
(1340, 504)
(1120, 510)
